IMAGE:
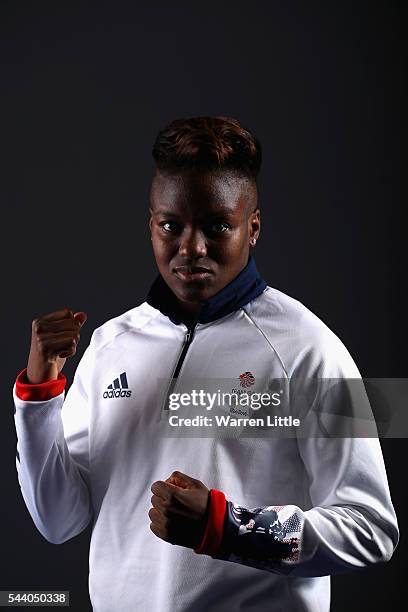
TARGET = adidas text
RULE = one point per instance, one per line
(118, 393)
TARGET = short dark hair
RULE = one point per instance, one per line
(201, 144)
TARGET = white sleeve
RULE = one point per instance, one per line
(348, 521)
(52, 458)
(352, 523)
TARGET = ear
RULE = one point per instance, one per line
(254, 223)
(150, 219)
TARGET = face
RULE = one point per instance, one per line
(201, 226)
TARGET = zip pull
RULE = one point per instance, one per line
(190, 331)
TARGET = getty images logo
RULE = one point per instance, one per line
(118, 388)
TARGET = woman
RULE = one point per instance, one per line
(310, 506)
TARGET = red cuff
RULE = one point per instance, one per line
(39, 392)
(215, 525)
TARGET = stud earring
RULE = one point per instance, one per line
(253, 241)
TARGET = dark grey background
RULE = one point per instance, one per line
(85, 86)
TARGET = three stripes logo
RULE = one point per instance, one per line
(119, 387)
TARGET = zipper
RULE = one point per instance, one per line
(187, 341)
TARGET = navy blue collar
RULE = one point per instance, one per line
(246, 286)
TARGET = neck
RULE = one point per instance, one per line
(247, 285)
(190, 310)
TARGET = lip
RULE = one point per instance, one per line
(193, 274)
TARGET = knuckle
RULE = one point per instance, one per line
(35, 325)
(41, 343)
(165, 504)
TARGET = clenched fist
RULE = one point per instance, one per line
(180, 510)
(54, 337)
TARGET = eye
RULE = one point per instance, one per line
(219, 228)
(169, 226)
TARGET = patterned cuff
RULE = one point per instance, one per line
(39, 392)
(268, 535)
(215, 525)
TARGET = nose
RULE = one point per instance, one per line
(192, 244)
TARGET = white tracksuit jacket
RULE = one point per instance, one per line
(87, 456)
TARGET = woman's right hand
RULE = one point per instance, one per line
(54, 337)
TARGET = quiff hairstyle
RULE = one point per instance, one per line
(202, 144)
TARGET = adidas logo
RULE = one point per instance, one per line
(119, 387)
